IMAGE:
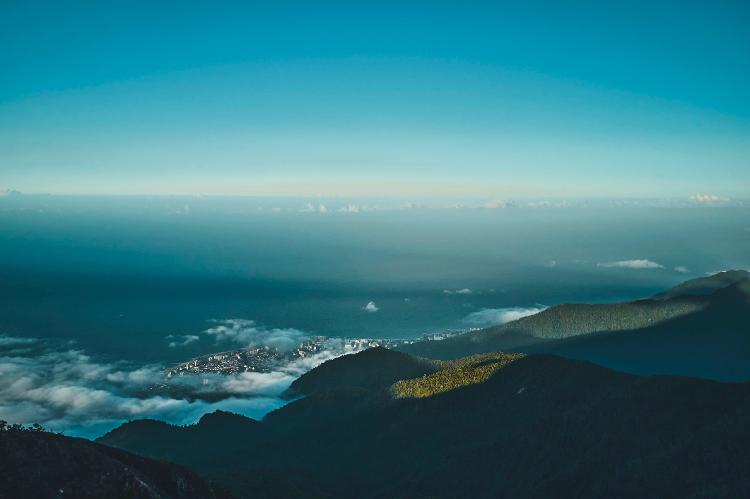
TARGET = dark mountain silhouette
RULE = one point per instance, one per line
(214, 433)
(535, 426)
(37, 464)
(373, 368)
(683, 331)
(706, 285)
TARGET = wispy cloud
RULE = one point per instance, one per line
(350, 208)
(311, 208)
(681, 269)
(248, 333)
(183, 340)
(14, 340)
(464, 291)
(496, 316)
(632, 264)
(707, 198)
(68, 390)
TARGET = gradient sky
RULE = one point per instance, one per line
(499, 99)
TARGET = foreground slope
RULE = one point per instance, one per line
(534, 426)
(44, 465)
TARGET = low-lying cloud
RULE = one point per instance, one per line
(464, 291)
(497, 316)
(248, 333)
(14, 341)
(371, 307)
(66, 389)
(632, 264)
(708, 198)
(183, 340)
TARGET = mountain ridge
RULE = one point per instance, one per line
(541, 426)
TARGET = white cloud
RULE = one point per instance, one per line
(185, 340)
(707, 198)
(370, 307)
(247, 333)
(495, 316)
(350, 208)
(498, 204)
(67, 390)
(14, 340)
(632, 264)
(681, 269)
(311, 208)
(464, 291)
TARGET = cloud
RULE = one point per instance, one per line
(632, 264)
(247, 333)
(370, 307)
(13, 341)
(464, 291)
(350, 208)
(681, 269)
(185, 210)
(311, 208)
(707, 198)
(498, 204)
(185, 340)
(67, 390)
(496, 316)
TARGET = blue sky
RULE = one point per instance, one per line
(390, 98)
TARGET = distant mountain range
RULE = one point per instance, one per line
(699, 328)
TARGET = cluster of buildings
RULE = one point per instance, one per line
(265, 358)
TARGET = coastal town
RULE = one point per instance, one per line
(265, 358)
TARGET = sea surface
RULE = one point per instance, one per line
(151, 281)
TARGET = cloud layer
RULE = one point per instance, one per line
(248, 333)
(496, 316)
(66, 389)
(632, 264)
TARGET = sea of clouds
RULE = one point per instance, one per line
(66, 389)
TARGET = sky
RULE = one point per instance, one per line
(493, 100)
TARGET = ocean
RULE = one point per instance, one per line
(144, 281)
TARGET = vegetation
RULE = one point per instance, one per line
(695, 329)
(706, 285)
(17, 428)
(540, 427)
(40, 464)
(454, 374)
(374, 368)
(565, 321)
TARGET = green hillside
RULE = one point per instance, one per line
(454, 374)
(703, 335)
(535, 427)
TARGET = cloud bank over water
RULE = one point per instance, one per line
(497, 316)
(247, 333)
(65, 389)
(632, 264)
